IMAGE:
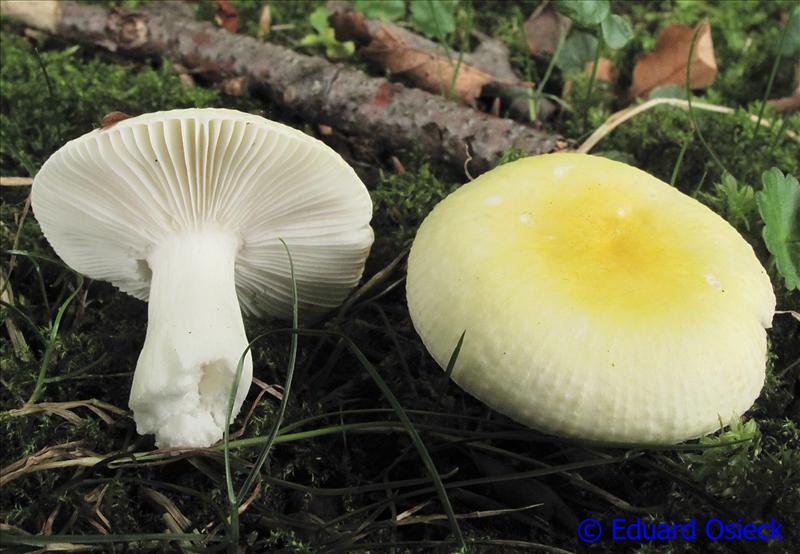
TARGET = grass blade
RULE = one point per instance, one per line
(451, 363)
(410, 429)
(235, 500)
(41, 379)
(287, 387)
(45, 540)
(691, 111)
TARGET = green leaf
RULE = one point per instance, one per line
(791, 41)
(326, 36)
(583, 12)
(779, 206)
(336, 50)
(311, 40)
(434, 18)
(385, 10)
(616, 31)
(319, 19)
(578, 50)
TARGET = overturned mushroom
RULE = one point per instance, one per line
(598, 302)
(186, 208)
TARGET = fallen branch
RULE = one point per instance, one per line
(486, 72)
(393, 116)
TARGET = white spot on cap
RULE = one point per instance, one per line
(621, 212)
(525, 218)
(713, 281)
(493, 201)
(562, 170)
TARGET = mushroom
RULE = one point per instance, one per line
(186, 209)
(597, 301)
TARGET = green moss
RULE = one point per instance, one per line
(758, 478)
(655, 138)
(37, 121)
(401, 202)
(510, 155)
(285, 541)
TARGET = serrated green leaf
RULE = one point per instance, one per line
(385, 10)
(779, 206)
(616, 31)
(583, 12)
(434, 18)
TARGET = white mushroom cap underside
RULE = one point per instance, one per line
(104, 200)
(598, 302)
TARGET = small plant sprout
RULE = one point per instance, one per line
(186, 208)
(598, 302)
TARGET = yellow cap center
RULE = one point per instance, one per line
(620, 247)
(611, 250)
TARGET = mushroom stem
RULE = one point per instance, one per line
(195, 337)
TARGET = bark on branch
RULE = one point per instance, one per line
(485, 72)
(317, 90)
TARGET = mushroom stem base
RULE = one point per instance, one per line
(195, 338)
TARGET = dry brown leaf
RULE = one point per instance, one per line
(184, 75)
(236, 86)
(397, 165)
(64, 410)
(47, 526)
(264, 21)
(666, 65)
(227, 17)
(787, 104)
(605, 70)
(495, 109)
(164, 503)
(111, 119)
(544, 28)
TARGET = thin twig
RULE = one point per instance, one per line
(620, 117)
(6, 181)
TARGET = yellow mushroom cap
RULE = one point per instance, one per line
(598, 302)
